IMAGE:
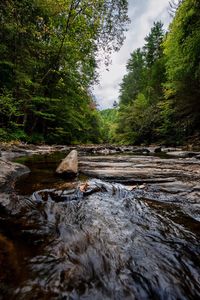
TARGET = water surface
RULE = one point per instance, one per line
(104, 243)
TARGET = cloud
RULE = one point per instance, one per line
(142, 14)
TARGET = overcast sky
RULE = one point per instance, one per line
(142, 14)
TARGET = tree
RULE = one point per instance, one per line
(138, 122)
(133, 82)
(153, 46)
(141, 91)
(155, 63)
(183, 65)
(108, 124)
(49, 59)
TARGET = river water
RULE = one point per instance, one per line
(104, 243)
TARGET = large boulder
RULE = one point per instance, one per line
(69, 166)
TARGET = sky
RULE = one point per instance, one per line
(142, 14)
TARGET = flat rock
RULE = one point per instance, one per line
(183, 154)
(176, 187)
(133, 169)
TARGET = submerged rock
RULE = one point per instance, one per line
(69, 166)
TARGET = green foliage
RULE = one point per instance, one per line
(137, 122)
(108, 124)
(134, 81)
(153, 45)
(183, 64)
(19, 135)
(3, 135)
(141, 90)
(170, 130)
(159, 99)
(48, 62)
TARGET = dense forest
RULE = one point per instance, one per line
(160, 94)
(49, 57)
(49, 53)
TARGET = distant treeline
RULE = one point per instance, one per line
(160, 94)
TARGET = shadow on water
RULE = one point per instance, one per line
(104, 242)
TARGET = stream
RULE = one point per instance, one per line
(135, 241)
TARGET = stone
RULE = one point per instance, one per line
(158, 150)
(138, 169)
(104, 151)
(69, 166)
(141, 186)
(183, 154)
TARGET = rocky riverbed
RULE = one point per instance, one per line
(100, 239)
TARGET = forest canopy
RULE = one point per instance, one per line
(160, 94)
(48, 61)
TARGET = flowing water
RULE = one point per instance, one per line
(106, 242)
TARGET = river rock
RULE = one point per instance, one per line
(9, 172)
(69, 166)
(183, 154)
(158, 150)
(139, 169)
